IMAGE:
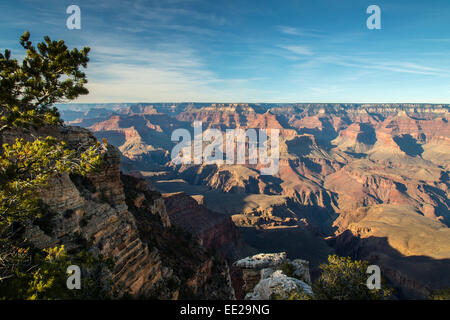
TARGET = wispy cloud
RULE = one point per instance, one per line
(359, 63)
(299, 32)
(300, 50)
(165, 72)
(396, 66)
(131, 73)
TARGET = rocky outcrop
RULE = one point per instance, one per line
(119, 217)
(271, 275)
(262, 260)
(276, 285)
(159, 208)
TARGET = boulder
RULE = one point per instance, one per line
(277, 285)
(273, 275)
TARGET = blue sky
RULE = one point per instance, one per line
(249, 51)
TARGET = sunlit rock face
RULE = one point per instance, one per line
(276, 285)
(262, 260)
(264, 276)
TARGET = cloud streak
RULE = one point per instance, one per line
(299, 50)
(299, 32)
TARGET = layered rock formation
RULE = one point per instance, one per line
(343, 169)
(119, 217)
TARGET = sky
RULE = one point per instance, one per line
(248, 51)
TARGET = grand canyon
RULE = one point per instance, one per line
(369, 181)
(206, 159)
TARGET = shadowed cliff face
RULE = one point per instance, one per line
(197, 271)
(213, 230)
(338, 163)
(117, 218)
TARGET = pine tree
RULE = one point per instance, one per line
(47, 75)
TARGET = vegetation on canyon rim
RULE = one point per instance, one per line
(49, 74)
(345, 279)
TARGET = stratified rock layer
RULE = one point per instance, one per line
(377, 174)
(120, 218)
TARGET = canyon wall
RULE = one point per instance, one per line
(114, 215)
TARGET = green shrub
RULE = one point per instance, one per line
(442, 294)
(345, 279)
